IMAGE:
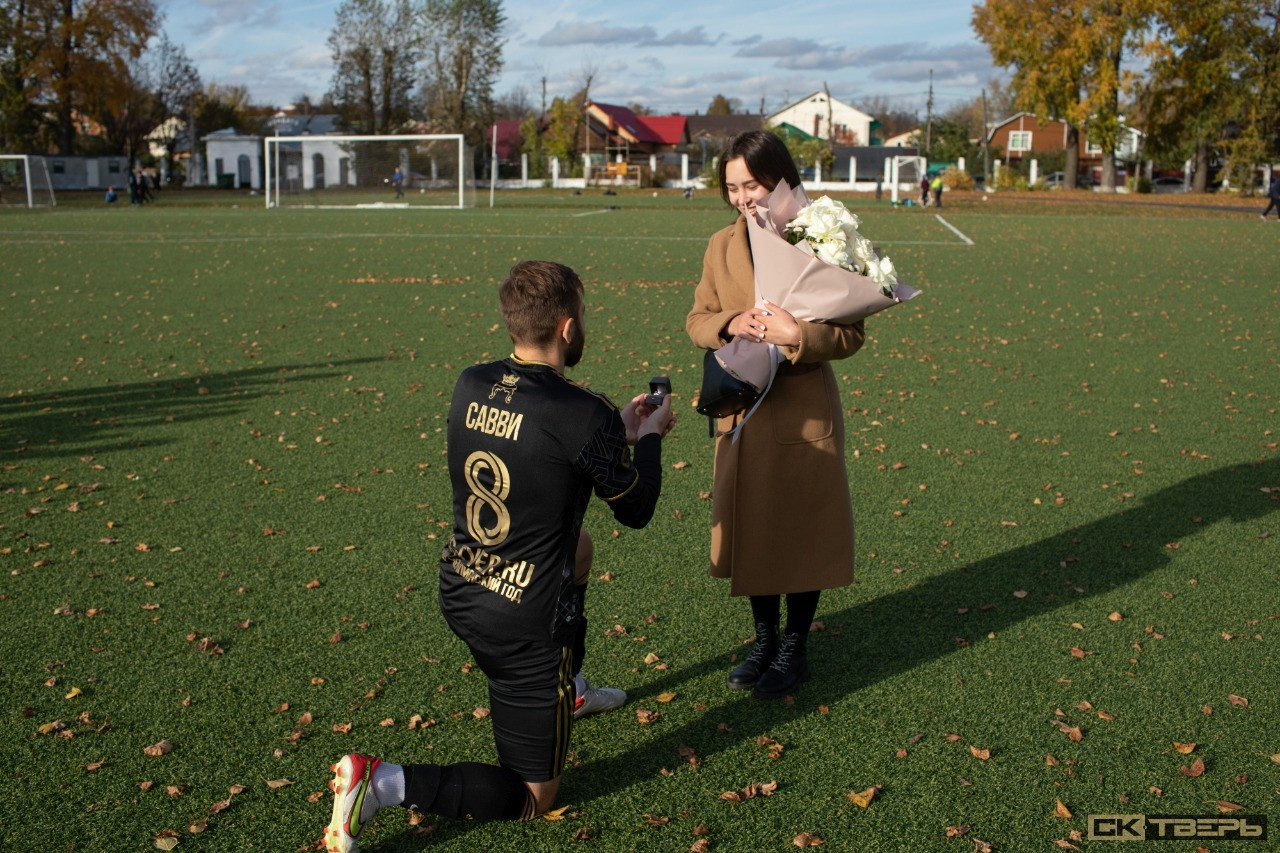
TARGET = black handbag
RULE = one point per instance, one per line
(722, 393)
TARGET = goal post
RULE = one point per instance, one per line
(345, 171)
(905, 169)
(25, 182)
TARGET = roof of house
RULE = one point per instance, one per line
(655, 130)
(813, 95)
(668, 129)
(304, 125)
(723, 125)
(510, 140)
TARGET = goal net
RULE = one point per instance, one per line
(24, 181)
(905, 174)
(432, 170)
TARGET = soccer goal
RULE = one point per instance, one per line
(430, 170)
(905, 171)
(24, 181)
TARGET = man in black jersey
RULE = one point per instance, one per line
(527, 448)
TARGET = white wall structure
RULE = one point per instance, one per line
(810, 115)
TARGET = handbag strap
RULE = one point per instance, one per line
(773, 371)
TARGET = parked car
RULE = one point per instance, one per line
(1168, 184)
(1055, 180)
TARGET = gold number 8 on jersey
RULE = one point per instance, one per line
(481, 496)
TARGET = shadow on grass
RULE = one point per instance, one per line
(98, 420)
(898, 632)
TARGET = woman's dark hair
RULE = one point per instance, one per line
(766, 156)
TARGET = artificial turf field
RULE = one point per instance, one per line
(223, 495)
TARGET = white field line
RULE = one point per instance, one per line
(954, 229)
(594, 212)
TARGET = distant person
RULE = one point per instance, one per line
(937, 190)
(145, 183)
(688, 192)
(879, 187)
(1273, 193)
(397, 181)
(924, 191)
(111, 195)
(135, 195)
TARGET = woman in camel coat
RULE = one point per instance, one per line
(782, 520)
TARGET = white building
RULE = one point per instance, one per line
(235, 158)
(851, 125)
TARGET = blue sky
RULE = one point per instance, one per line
(665, 55)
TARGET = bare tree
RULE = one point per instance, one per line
(463, 47)
(376, 47)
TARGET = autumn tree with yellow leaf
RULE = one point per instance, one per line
(1066, 57)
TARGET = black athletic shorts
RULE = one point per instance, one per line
(531, 697)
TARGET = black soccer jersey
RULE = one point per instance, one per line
(527, 448)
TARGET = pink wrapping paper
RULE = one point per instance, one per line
(793, 277)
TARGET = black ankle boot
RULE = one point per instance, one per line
(745, 675)
(790, 667)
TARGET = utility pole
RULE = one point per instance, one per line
(928, 132)
(986, 135)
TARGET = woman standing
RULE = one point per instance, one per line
(782, 520)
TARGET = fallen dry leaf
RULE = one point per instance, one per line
(166, 840)
(1060, 810)
(1196, 769)
(277, 784)
(1224, 806)
(863, 798)
(958, 830)
(644, 717)
(1238, 701)
(980, 754)
(806, 839)
(666, 697)
(555, 814)
(1184, 748)
(157, 749)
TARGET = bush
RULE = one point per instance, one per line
(1009, 179)
(957, 179)
(1140, 184)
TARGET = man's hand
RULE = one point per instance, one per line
(641, 419)
(655, 421)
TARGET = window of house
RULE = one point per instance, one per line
(1091, 147)
(1019, 140)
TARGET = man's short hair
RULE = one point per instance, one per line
(535, 297)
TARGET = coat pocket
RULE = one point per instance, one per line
(803, 404)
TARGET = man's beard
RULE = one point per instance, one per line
(577, 343)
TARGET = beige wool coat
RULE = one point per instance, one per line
(782, 519)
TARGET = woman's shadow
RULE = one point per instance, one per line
(898, 632)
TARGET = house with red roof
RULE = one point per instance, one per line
(622, 135)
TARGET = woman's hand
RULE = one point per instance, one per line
(767, 323)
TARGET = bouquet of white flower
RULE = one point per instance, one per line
(832, 230)
(810, 259)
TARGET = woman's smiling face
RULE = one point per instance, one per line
(744, 190)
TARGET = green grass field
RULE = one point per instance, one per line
(224, 491)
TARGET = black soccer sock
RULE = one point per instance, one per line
(580, 633)
(766, 608)
(801, 608)
(483, 791)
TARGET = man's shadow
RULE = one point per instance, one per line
(43, 424)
